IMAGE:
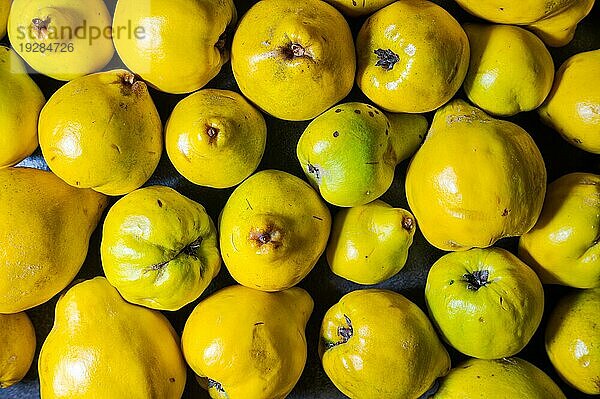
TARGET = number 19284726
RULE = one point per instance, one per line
(47, 47)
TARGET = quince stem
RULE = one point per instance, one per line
(40, 27)
(345, 333)
(271, 236)
(476, 279)
(386, 58)
(216, 385)
(294, 50)
(212, 133)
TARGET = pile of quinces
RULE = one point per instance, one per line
(472, 178)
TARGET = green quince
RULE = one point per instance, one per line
(350, 152)
(369, 243)
(159, 248)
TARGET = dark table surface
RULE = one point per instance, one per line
(326, 288)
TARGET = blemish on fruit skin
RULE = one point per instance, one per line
(160, 204)
(336, 134)
(233, 244)
(408, 223)
(410, 50)
(357, 111)
(116, 148)
(337, 111)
